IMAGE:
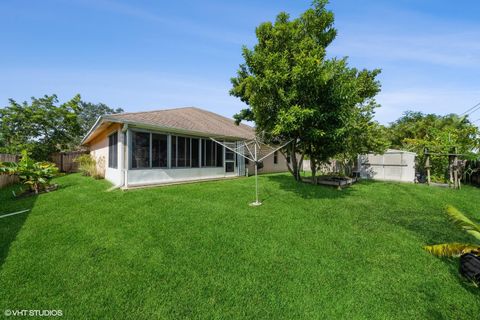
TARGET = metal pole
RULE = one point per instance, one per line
(256, 176)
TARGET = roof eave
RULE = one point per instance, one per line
(142, 125)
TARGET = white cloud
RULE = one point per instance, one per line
(455, 49)
(429, 100)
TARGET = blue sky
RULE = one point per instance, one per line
(146, 55)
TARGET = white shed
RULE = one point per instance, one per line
(393, 165)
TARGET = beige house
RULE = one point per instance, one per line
(172, 145)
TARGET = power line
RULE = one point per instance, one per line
(471, 110)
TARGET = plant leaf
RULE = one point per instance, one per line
(463, 222)
(451, 249)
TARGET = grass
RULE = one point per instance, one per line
(199, 251)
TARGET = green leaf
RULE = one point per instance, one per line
(452, 249)
(462, 221)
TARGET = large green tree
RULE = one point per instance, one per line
(416, 131)
(294, 92)
(45, 126)
(89, 113)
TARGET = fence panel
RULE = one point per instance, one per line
(6, 180)
(65, 161)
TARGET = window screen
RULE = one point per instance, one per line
(159, 150)
(113, 150)
(141, 150)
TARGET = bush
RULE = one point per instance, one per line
(35, 175)
(87, 165)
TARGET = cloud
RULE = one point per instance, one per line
(452, 50)
(178, 24)
(429, 100)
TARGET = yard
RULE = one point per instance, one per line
(199, 251)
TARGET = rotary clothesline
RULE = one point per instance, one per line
(254, 148)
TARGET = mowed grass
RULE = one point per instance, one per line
(199, 251)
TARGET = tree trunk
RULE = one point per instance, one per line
(293, 165)
(313, 167)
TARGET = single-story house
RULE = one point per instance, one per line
(172, 145)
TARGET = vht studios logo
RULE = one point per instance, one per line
(33, 313)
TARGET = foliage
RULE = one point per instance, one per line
(44, 126)
(364, 136)
(457, 249)
(416, 131)
(87, 165)
(40, 127)
(293, 92)
(91, 111)
(35, 175)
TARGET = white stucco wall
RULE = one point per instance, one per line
(99, 151)
(269, 166)
(138, 177)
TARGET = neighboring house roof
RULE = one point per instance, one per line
(188, 120)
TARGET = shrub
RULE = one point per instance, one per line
(87, 165)
(35, 175)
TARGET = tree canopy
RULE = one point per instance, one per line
(294, 92)
(415, 131)
(44, 126)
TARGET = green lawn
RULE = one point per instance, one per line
(199, 251)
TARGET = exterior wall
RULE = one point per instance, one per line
(138, 177)
(394, 165)
(269, 166)
(99, 151)
(146, 176)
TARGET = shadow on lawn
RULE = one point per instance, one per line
(11, 226)
(307, 190)
(431, 226)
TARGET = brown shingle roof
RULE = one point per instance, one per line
(188, 119)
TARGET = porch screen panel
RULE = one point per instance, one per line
(195, 153)
(181, 152)
(208, 152)
(159, 150)
(113, 151)
(141, 150)
(174, 152)
(187, 152)
(219, 154)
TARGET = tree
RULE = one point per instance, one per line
(40, 127)
(294, 93)
(415, 131)
(44, 126)
(364, 136)
(91, 111)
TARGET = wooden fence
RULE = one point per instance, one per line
(6, 180)
(65, 161)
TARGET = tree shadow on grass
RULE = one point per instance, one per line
(307, 190)
(10, 226)
(432, 227)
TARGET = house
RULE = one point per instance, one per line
(172, 145)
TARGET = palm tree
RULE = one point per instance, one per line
(457, 249)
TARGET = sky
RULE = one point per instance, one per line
(149, 55)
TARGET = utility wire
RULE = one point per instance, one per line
(471, 110)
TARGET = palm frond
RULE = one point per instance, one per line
(452, 249)
(462, 221)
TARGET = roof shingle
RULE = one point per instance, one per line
(189, 119)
